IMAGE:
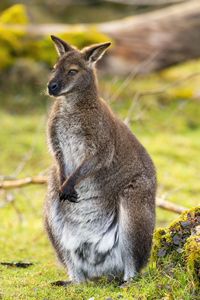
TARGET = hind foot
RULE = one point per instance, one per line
(126, 284)
(62, 283)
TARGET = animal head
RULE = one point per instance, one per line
(74, 70)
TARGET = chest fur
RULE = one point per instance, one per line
(73, 148)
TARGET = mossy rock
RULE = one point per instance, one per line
(180, 243)
(192, 256)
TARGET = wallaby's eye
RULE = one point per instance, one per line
(72, 72)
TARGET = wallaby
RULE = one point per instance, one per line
(100, 204)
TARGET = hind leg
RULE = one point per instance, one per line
(55, 223)
(137, 214)
(75, 275)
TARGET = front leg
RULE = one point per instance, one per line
(87, 168)
(96, 160)
(61, 170)
(67, 191)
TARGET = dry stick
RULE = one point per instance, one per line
(169, 206)
(132, 75)
(19, 183)
(131, 109)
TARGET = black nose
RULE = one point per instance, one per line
(53, 87)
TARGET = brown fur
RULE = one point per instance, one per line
(100, 165)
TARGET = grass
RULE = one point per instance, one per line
(168, 125)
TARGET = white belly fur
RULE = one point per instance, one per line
(72, 238)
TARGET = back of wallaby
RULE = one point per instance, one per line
(100, 205)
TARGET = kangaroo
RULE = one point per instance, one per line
(100, 203)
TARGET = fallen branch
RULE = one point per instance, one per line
(164, 204)
(172, 32)
(20, 183)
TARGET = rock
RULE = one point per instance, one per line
(180, 242)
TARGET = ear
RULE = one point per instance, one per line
(61, 46)
(95, 52)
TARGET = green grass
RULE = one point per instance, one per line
(167, 124)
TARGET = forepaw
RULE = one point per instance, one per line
(68, 194)
(61, 283)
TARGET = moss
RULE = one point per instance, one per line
(81, 38)
(16, 43)
(180, 243)
(192, 257)
(185, 92)
(15, 14)
(6, 59)
(173, 238)
(43, 50)
(11, 39)
(11, 45)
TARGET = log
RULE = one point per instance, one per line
(169, 36)
(145, 2)
(172, 34)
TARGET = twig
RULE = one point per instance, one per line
(132, 75)
(18, 183)
(170, 206)
(11, 184)
(131, 109)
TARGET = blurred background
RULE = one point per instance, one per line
(150, 77)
